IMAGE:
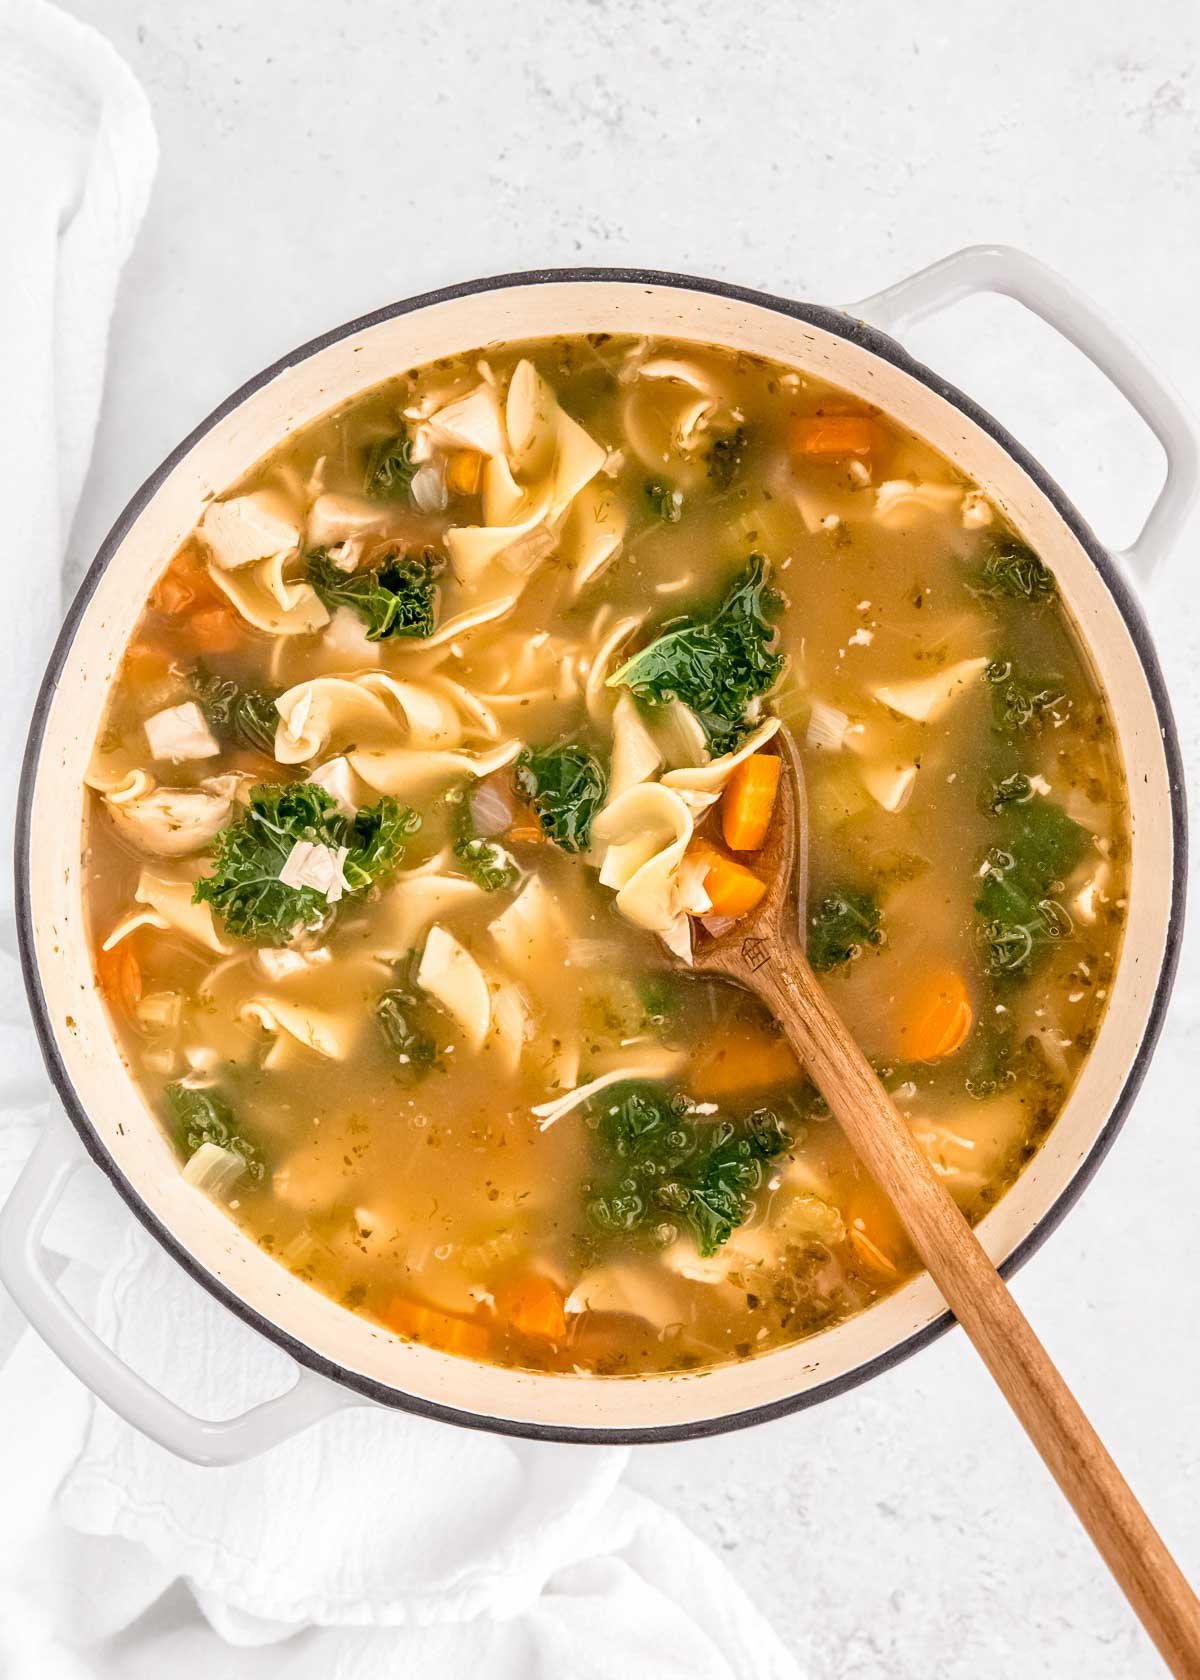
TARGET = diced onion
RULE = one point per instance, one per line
(213, 1169)
(428, 488)
(827, 727)
(160, 1009)
(491, 808)
(159, 1059)
(890, 785)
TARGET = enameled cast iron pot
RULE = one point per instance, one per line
(342, 1359)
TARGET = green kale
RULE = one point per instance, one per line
(660, 1169)
(199, 1117)
(1009, 790)
(1012, 570)
(390, 468)
(998, 1059)
(398, 598)
(840, 925)
(248, 856)
(717, 665)
(566, 787)
(397, 1014)
(1020, 918)
(488, 864)
(661, 997)
(241, 716)
(717, 1196)
(664, 502)
(725, 458)
(1020, 702)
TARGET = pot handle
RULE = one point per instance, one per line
(1002, 269)
(24, 1274)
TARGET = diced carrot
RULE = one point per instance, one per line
(533, 1304)
(119, 975)
(870, 1255)
(463, 472)
(146, 662)
(936, 1018)
(741, 1058)
(185, 587)
(748, 801)
(732, 888)
(531, 833)
(833, 434)
(215, 630)
(172, 594)
(876, 1235)
(446, 1331)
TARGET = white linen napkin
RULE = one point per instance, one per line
(374, 1544)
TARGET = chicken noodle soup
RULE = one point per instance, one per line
(445, 737)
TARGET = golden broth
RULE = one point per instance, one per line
(947, 717)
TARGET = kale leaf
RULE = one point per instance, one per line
(489, 864)
(725, 458)
(398, 598)
(397, 1014)
(199, 1117)
(244, 887)
(661, 996)
(390, 468)
(1013, 570)
(1038, 848)
(566, 787)
(1009, 790)
(660, 1169)
(840, 925)
(239, 715)
(718, 665)
(664, 502)
(1020, 702)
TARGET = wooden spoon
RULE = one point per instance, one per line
(765, 953)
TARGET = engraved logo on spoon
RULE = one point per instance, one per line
(755, 953)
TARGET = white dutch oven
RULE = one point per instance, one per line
(343, 1360)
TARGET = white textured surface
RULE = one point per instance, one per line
(320, 159)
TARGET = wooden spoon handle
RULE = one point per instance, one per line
(975, 1293)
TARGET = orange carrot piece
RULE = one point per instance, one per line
(833, 434)
(870, 1255)
(215, 630)
(533, 1304)
(530, 833)
(463, 472)
(936, 1018)
(173, 593)
(748, 801)
(185, 587)
(119, 975)
(742, 1059)
(732, 888)
(146, 662)
(446, 1331)
(878, 1239)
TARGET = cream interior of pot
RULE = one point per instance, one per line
(112, 1102)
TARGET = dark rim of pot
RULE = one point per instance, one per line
(840, 326)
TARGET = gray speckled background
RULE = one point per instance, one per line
(320, 159)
